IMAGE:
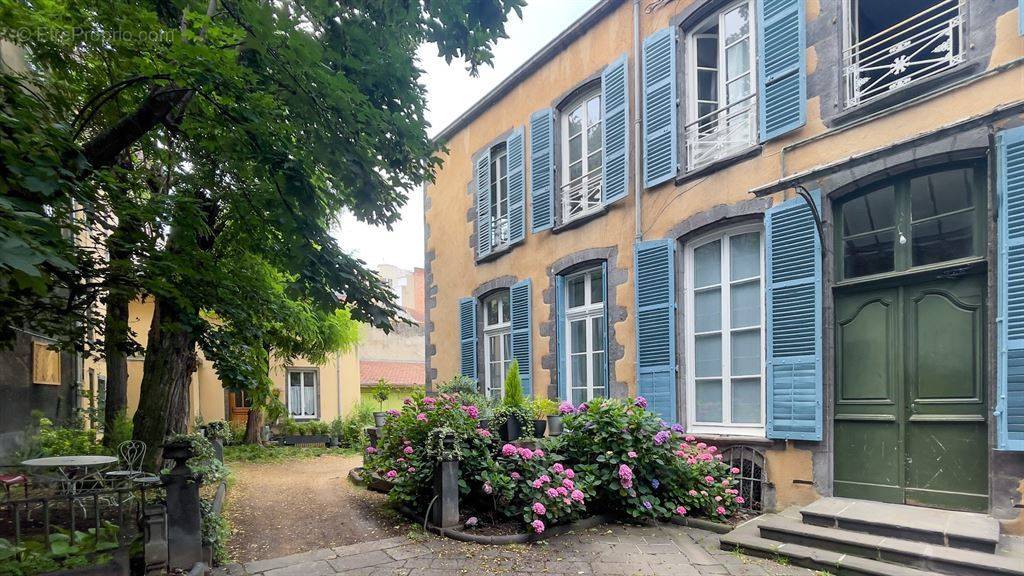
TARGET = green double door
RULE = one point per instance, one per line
(910, 408)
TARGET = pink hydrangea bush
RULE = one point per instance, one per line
(404, 457)
(534, 485)
(645, 468)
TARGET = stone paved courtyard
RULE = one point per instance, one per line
(610, 549)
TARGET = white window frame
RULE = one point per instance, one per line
(499, 330)
(726, 427)
(498, 216)
(306, 373)
(588, 312)
(746, 106)
(589, 184)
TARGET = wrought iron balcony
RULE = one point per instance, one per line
(582, 196)
(921, 46)
(720, 133)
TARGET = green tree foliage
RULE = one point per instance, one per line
(224, 137)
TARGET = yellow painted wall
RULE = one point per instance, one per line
(455, 274)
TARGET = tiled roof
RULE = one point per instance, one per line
(397, 373)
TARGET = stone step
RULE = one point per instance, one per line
(747, 539)
(941, 527)
(909, 553)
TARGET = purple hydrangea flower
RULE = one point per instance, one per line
(640, 402)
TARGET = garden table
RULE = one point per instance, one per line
(73, 470)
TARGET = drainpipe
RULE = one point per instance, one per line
(638, 234)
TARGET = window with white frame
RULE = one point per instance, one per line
(497, 343)
(582, 155)
(725, 332)
(499, 196)
(721, 86)
(302, 394)
(585, 334)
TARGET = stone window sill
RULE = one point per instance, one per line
(576, 223)
(498, 253)
(732, 439)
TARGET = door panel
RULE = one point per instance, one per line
(946, 436)
(868, 451)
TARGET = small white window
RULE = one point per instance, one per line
(724, 332)
(499, 196)
(721, 86)
(582, 156)
(497, 343)
(585, 359)
(302, 394)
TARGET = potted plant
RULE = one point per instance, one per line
(486, 408)
(381, 392)
(513, 414)
(555, 417)
(543, 409)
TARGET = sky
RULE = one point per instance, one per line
(450, 92)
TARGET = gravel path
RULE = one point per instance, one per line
(285, 508)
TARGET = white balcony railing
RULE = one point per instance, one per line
(499, 231)
(720, 133)
(581, 196)
(919, 47)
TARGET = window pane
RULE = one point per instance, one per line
(493, 351)
(579, 396)
(746, 352)
(492, 311)
(745, 304)
(575, 148)
(736, 24)
(295, 393)
(707, 310)
(594, 110)
(309, 395)
(870, 254)
(709, 401)
(506, 351)
(503, 309)
(707, 52)
(703, 109)
(744, 256)
(593, 162)
(943, 238)
(738, 90)
(576, 289)
(746, 401)
(707, 262)
(873, 211)
(940, 192)
(578, 336)
(495, 375)
(576, 171)
(596, 286)
(599, 369)
(707, 85)
(737, 60)
(708, 355)
(594, 138)
(579, 370)
(597, 329)
(576, 121)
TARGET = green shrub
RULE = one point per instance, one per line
(215, 531)
(43, 438)
(237, 432)
(381, 392)
(121, 431)
(349, 430)
(462, 385)
(513, 387)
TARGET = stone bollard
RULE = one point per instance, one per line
(218, 448)
(154, 530)
(445, 512)
(184, 518)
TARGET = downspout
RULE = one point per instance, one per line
(637, 173)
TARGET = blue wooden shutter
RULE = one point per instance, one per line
(522, 345)
(659, 85)
(483, 205)
(615, 137)
(655, 326)
(560, 348)
(781, 72)
(467, 337)
(516, 187)
(542, 170)
(793, 305)
(1010, 402)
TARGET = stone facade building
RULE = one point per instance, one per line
(794, 226)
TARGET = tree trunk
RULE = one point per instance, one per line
(114, 330)
(254, 426)
(170, 360)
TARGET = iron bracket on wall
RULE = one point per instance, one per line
(803, 193)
